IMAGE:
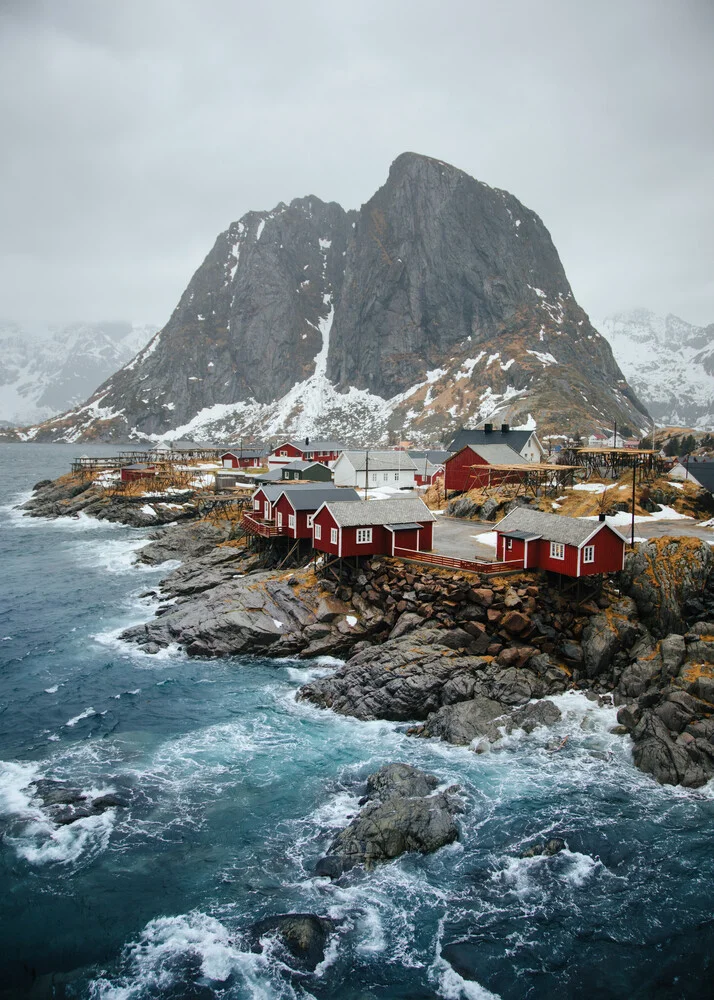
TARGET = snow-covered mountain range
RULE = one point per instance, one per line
(668, 362)
(46, 371)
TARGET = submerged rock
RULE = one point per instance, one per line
(544, 848)
(65, 804)
(401, 814)
(304, 935)
(481, 717)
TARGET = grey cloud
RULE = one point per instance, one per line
(134, 132)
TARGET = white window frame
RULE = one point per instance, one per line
(256, 505)
(557, 550)
(280, 519)
(386, 477)
(310, 520)
(283, 454)
(291, 521)
(333, 536)
(396, 477)
(589, 554)
(373, 476)
(509, 543)
(364, 536)
(318, 531)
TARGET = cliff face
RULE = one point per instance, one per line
(441, 302)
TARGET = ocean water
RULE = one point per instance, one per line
(233, 790)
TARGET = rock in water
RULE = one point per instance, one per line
(401, 814)
(437, 272)
(303, 934)
(544, 848)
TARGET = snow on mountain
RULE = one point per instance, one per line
(45, 371)
(668, 362)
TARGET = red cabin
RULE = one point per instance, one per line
(306, 451)
(129, 473)
(265, 498)
(295, 507)
(241, 458)
(373, 527)
(571, 546)
(472, 467)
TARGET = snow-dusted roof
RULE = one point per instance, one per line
(552, 527)
(380, 461)
(312, 499)
(317, 445)
(400, 510)
(514, 439)
(298, 466)
(245, 453)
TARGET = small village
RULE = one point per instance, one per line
(494, 501)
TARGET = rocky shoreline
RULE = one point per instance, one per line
(464, 658)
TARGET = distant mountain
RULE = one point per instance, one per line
(668, 362)
(44, 373)
(441, 302)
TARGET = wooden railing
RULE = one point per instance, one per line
(257, 527)
(434, 559)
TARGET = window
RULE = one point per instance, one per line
(283, 454)
(333, 536)
(364, 535)
(266, 510)
(557, 550)
(373, 477)
(509, 543)
(256, 505)
(309, 520)
(589, 554)
(280, 520)
(318, 530)
(396, 477)
(386, 477)
(291, 521)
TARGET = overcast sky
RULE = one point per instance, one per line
(134, 131)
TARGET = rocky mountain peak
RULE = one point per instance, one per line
(441, 301)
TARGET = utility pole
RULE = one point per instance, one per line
(634, 481)
(366, 471)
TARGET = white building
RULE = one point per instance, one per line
(375, 469)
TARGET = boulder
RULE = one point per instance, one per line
(608, 633)
(544, 848)
(462, 723)
(399, 779)
(303, 935)
(662, 574)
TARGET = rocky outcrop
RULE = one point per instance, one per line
(65, 804)
(437, 273)
(72, 495)
(302, 936)
(402, 812)
(662, 575)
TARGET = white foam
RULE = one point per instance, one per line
(86, 714)
(52, 690)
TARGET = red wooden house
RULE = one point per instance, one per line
(306, 451)
(373, 527)
(242, 458)
(473, 467)
(138, 471)
(294, 509)
(571, 546)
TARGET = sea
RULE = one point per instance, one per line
(232, 790)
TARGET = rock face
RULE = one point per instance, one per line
(661, 575)
(441, 301)
(402, 813)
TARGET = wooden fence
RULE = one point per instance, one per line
(434, 559)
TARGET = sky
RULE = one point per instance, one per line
(134, 132)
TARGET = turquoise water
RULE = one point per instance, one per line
(233, 790)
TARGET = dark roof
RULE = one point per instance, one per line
(274, 476)
(431, 455)
(244, 453)
(402, 527)
(514, 439)
(319, 444)
(301, 466)
(312, 499)
(552, 527)
(400, 510)
(703, 472)
(525, 536)
(498, 454)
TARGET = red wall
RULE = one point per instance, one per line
(381, 543)
(301, 529)
(461, 477)
(608, 553)
(325, 520)
(129, 475)
(567, 566)
(517, 550)
(237, 462)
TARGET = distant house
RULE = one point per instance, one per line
(129, 473)
(430, 465)
(317, 450)
(373, 527)
(294, 509)
(372, 469)
(242, 458)
(477, 467)
(571, 546)
(315, 471)
(267, 495)
(524, 442)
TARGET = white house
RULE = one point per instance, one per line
(375, 469)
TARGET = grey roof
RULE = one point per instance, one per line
(272, 490)
(552, 527)
(319, 444)
(432, 455)
(274, 476)
(381, 461)
(515, 439)
(312, 499)
(498, 454)
(402, 527)
(244, 452)
(703, 472)
(297, 466)
(400, 510)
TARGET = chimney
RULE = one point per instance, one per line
(488, 428)
(307, 440)
(505, 428)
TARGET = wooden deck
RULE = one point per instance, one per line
(256, 526)
(434, 559)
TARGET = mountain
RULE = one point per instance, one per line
(46, 374)
(440, 302)
(668, 362)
